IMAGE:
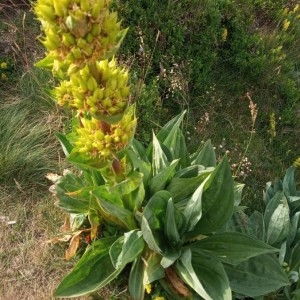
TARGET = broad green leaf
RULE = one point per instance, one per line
(295, 224)
(191, 171)
(238, 190)
(294, 262)
(117, 215)
(232, 247)
(134, 200)
(153, 269)
(112, 209)
(257, 276)
(159, 181)
(139, 164)
(276, 218)
(294, 203)
(93, 271)
(153, 221)
(169, 258)
(289, 184)
(73, 196)
(175, 142)
(256, 226)
(185, 270)
(126, 248)
(181, 188)
(217, 200)
(159, 159)
(212, 275)
(136, 283)
(163, 134)
(238, 222)
(193, 209)
(84, 161)
(206, 157)
(65, 144)
(171, 230)
(76, 221)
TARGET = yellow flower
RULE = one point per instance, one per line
(296, 8)
(4, 76)
(224, 34)
(148, 288)
(297, 162)
(286, 24)
(3, 65)
(272, 125)
(159, 298)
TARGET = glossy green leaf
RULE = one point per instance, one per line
(232, 247)
(276, 218)
(181, 188)
(126, 248)
(257, 276)
(190, 171)
(158, 182)
(185, 270)
(171, 230)
(294, 262)
(217, 200)
(238, 190)
(193, 209)
(136, 283)
(153, 269)
(256, 226)
(206, 157)
(212, 275)
(93, 271)
(163, 134)
(294, 228)
(139, 164)
(175, 142)
(65, 144)
(289, 184)
(153, 221)
(159, 159)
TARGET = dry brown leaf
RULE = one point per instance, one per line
(176, 282)
(74, 244)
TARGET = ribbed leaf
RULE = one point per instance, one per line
(289, 184)
(171, 230)
(159, 181)
(232, 247)
(294, 262)
(257, 276)
(93, 271)
(159, 159)
(206, 156)
(217, 200)
(212, 275)
(65, 144)
(136, 283)
(181, 188)
(185, 270)
(276, 218)
(193, 209)
(126, 248)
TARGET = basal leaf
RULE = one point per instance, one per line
(276, 218)
(136, 283)
(294, 261)
(289, 184)
(93, 271)
(126, 248)
(212, 275)
(181, 188)
(257, 276)
(159, 181)
(193, 209)
(206, 157)
(232, 247)
(159, 159)
(153, 270)
(217, 200)
(171, 230)
(186, 271)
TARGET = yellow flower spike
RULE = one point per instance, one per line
(95, 13)
(60, 7)
(3, 65)
(45, 12)
(148, 288)
(91, 84)
(286, 24)
(68, 39)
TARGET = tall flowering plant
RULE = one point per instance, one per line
(161, 211)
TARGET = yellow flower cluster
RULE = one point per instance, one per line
(77, 32)
(102, 91)
(99, 139)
